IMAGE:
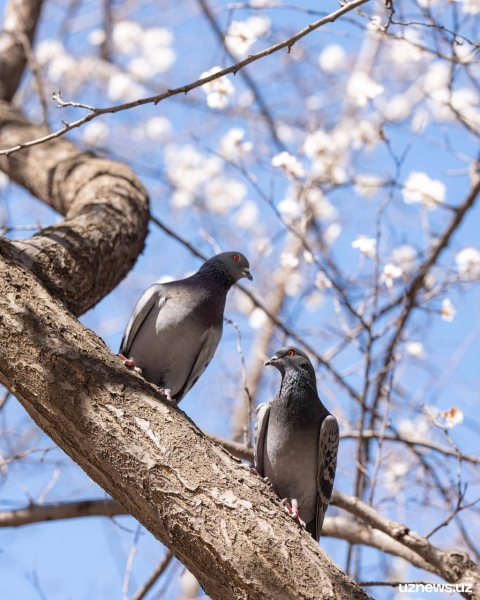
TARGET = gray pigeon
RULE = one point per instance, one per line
(175, 328)
(296, 441)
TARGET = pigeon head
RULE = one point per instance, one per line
(290, 358)
(228, 266)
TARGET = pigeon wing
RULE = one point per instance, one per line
(327, 466)
(154, 296)
(202, 360)
(261, 425)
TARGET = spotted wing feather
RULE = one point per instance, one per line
(327, 466)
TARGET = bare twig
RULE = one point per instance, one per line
(288, 43)
(154, 577)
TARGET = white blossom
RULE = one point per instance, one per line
(405, 50)
(188, 170)
(294, 284)
(289, 261)
(122, 87)
(314, 300)
(465, 101)
(259, 25)
(308, 256)
(465, 52)
(289, 163)
(155, 38)
(363, 133)
(415, 349)
(232, 145)
(290, 209)
(223, 194)
(313, 102)
(404, 256)
(421, 426)
(247, 215)
(94, 133)
(285, 132)
(398, 107)
(394, 470)
(321, 207)
(217, 90)
(240, 36)
(470, 7)
(181, 199)
(60, 66)
(390, 273)
(127, 36)
(157, 127)
(47, 50)
(468, 263)
(366, 245)
(328, 153)
(448, 311)
(419, 188)
(246, 99)
(453, 416)
(331, 233)
(257, 318)
(97, 37)
(141, 69)
(361, 88)
(322, 281)
(332, 58)
(367, 185)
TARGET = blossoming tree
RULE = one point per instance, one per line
(338, 149)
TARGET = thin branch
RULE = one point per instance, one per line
(154, 577)
(59, 511)
(288, 43)
(410, 441)
(245, 75)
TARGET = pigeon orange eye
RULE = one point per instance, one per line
(291, 353)
(236, 258)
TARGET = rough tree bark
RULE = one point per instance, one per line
(19, 26)
(189, 492)
(85, 256)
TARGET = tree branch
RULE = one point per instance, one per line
(106, 207)
(96, 112)
(216, 517)
(19, 25)
(59, 511)
(453, 566)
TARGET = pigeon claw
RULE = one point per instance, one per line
(292, 511)
(167, 393)
(129, 363)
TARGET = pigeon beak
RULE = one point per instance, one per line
(270, 361)
(246, 273)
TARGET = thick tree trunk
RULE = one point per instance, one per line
(223, 523)
(106, 207)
